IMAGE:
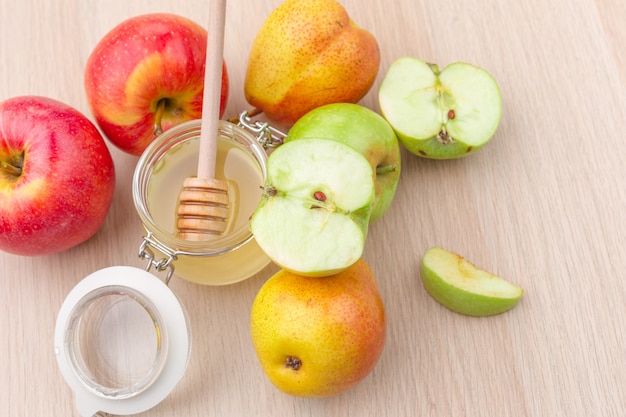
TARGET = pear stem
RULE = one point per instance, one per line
(255, 112)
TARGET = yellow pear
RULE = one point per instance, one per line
(318, 337)
(306, 54)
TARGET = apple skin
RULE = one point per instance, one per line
(306, 54)
(142, 62)
(57, 176)
(363, 130)
(318, 337)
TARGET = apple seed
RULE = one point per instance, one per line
(451, 114)
(293, 362)
(319, 196)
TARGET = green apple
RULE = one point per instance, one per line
(461, 287)
(314, 213)
(367, 132)
(440, 114)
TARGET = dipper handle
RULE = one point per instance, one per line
(203, 209)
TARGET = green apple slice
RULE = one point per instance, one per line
(314, 213)
(461, 287)
(440, 114)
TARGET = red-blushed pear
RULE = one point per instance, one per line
(318, 337)
(306, 54)
(56, 176)
(147, 75)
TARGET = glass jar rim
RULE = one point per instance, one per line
(75, 349)
(172, 330)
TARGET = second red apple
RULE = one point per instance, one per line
(147, 75)
(57, 177)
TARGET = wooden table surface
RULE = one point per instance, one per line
(542, 205)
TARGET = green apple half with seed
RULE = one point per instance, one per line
(461, 287)
(314, 213)
(367, 132)
(440, 114)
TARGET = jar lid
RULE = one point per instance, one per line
(122, 341)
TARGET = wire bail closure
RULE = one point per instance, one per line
(267, 135)
(161, 264)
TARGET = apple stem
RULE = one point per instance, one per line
(158, 129)
(435, 69)
(11, 169)
(385, 169)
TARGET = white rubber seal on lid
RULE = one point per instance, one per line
(122, 341)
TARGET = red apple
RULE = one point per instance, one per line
(56, 176)
(147, 75)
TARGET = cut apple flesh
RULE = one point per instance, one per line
(474, 99)
(459, 107)
(314, 214)
(408, 99)
(460, 286)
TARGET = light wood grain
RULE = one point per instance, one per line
(543, 205)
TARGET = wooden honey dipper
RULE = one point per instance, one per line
(203, 209)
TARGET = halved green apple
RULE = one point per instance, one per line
(461, 287)
(367, 132)
(314, 214)
(440, 114)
